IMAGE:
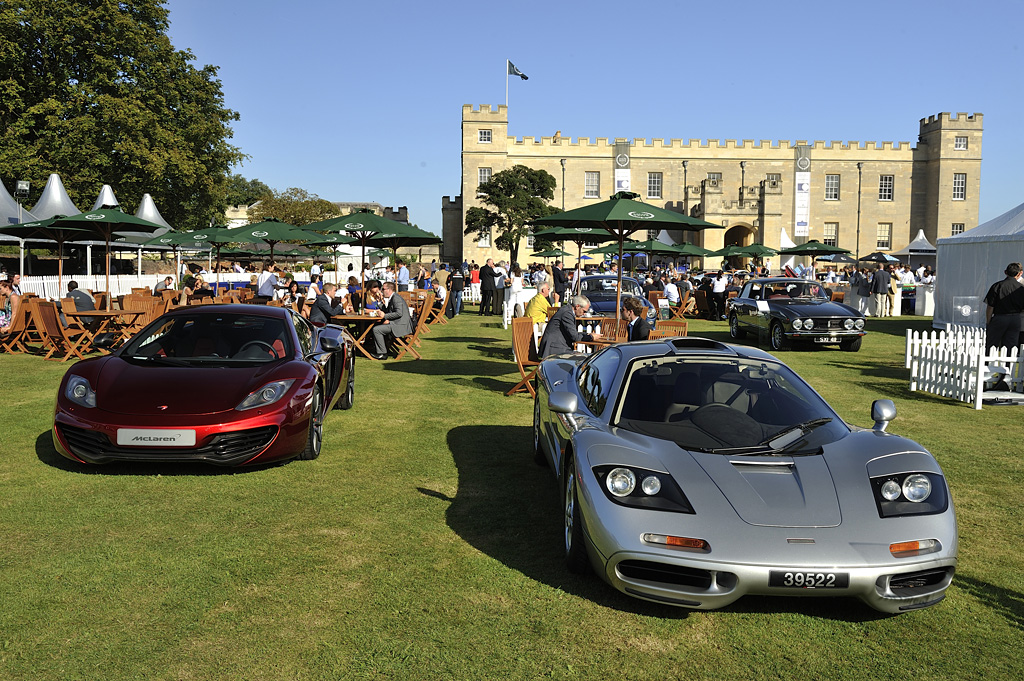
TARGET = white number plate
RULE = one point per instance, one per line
(156, 437)
(826, 339)
(809, 579)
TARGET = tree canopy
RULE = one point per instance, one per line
(243, 192)
(517, 195)
(94, 90)
(295, 206)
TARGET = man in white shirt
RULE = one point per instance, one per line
(718, 286)
(315, 269)
(672, 292)
(267, 282)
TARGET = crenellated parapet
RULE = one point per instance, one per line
(946, 120)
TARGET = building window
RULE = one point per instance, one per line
(485, 240)
(831, 233)
(958, 228)
(483, 175)
(831, 187)
(592, 185)
(959, 186)
(654, 185)
(529, 240)
(885, 184)
(715, 178)
(485, 137)
(884, 240)
(773, 177)
(960, 143)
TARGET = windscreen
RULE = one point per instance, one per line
(211, 339)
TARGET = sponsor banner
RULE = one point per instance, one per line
(802, 209)
(622, 180)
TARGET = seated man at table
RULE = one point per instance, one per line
(83, 303)
(167, 284)
(323, 307)
(635, 313)
(561, 333)
(537, 307)
(397, 320)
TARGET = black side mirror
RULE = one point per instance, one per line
(104, 341)
(328, 344)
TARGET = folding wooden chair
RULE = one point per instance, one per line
(14, 340)
(405, 343)
(662, 333)
(56, 336)
(703, 307)
(654, 297)
(677, 327)
(525, 351)
(679, 311)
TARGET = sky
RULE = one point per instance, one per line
(362, 101)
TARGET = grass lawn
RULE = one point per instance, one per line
(424, 543)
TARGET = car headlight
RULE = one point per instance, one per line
(910, 494)
(641, 488)
(848, 324)
(808, 324)
(266, 395)
(798, 324)
(80, 392)
(859, 324)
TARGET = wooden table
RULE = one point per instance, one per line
(359, 320)
(113, 321)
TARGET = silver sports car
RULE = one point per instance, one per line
(694, 472)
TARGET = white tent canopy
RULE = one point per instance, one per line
(969, 263)
(106, 199)
(919, 246)
(54, 200)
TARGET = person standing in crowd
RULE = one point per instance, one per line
(894, 289)
(500, 284)
(561, 333)
(1004, 305)
(635, 313)
(267, 283)
(718, 295)
(456, 285)
(879, 290)
(442, 275)
(402, 278)
(537, 307)
(559, 280)
(487, 276)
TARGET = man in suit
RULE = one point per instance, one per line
(880, 290)
(397, 320)
(322, 309)
(561, 333)
(560, 281)
(487, 275)
(635, 313)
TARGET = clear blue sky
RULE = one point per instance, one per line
(362, 101)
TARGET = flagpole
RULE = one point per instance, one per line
(506, 83)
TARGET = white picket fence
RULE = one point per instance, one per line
(952, 363)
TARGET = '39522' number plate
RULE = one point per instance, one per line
(808, 579)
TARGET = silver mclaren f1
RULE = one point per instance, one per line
(694, 472)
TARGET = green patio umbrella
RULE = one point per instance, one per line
(621, 216)
(272, 232)
(402, 235)
(219, 237)
(45, 230)
(758, 250)
(729, 251)
(332, 240)
(364, 224)
(178, 240)
(578, 236)
(553, 253)
(813, 247)
(104, 222)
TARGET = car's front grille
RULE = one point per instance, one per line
(832, 323)
(664, 573)
(225, 448)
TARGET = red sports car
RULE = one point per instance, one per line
(231, 385)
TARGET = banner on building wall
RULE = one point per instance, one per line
(802, 209)
(622, 167)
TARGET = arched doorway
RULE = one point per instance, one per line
(739, 234)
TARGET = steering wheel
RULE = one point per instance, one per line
(259, 343)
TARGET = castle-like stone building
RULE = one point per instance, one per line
(863, 196)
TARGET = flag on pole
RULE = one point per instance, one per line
(513, 71)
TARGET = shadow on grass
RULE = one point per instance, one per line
(510, 509)
(1006, 603)
(46, 453)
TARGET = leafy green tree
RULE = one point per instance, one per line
(517, 196)
(94, 90)
(243, 192)
(295, 206)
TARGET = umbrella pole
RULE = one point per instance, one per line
(618, 285)
(217, 289)
(60, 267)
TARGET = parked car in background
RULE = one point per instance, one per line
(786, 309)
(601, 290)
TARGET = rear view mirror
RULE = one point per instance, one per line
(104, 340)
(562, 402)
(328, 344)
(882, 411)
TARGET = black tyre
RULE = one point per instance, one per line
(777, 337)
(315, 438)
(851, 345)
(734, 327)
(347, 398)
(575, 550)
(538, 452)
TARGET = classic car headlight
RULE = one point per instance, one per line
(808, 324)
(909, 494)
(641, 488)
(859, 324)
(848, 324)
(80, 392)
(266, 395)
(798, 324)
